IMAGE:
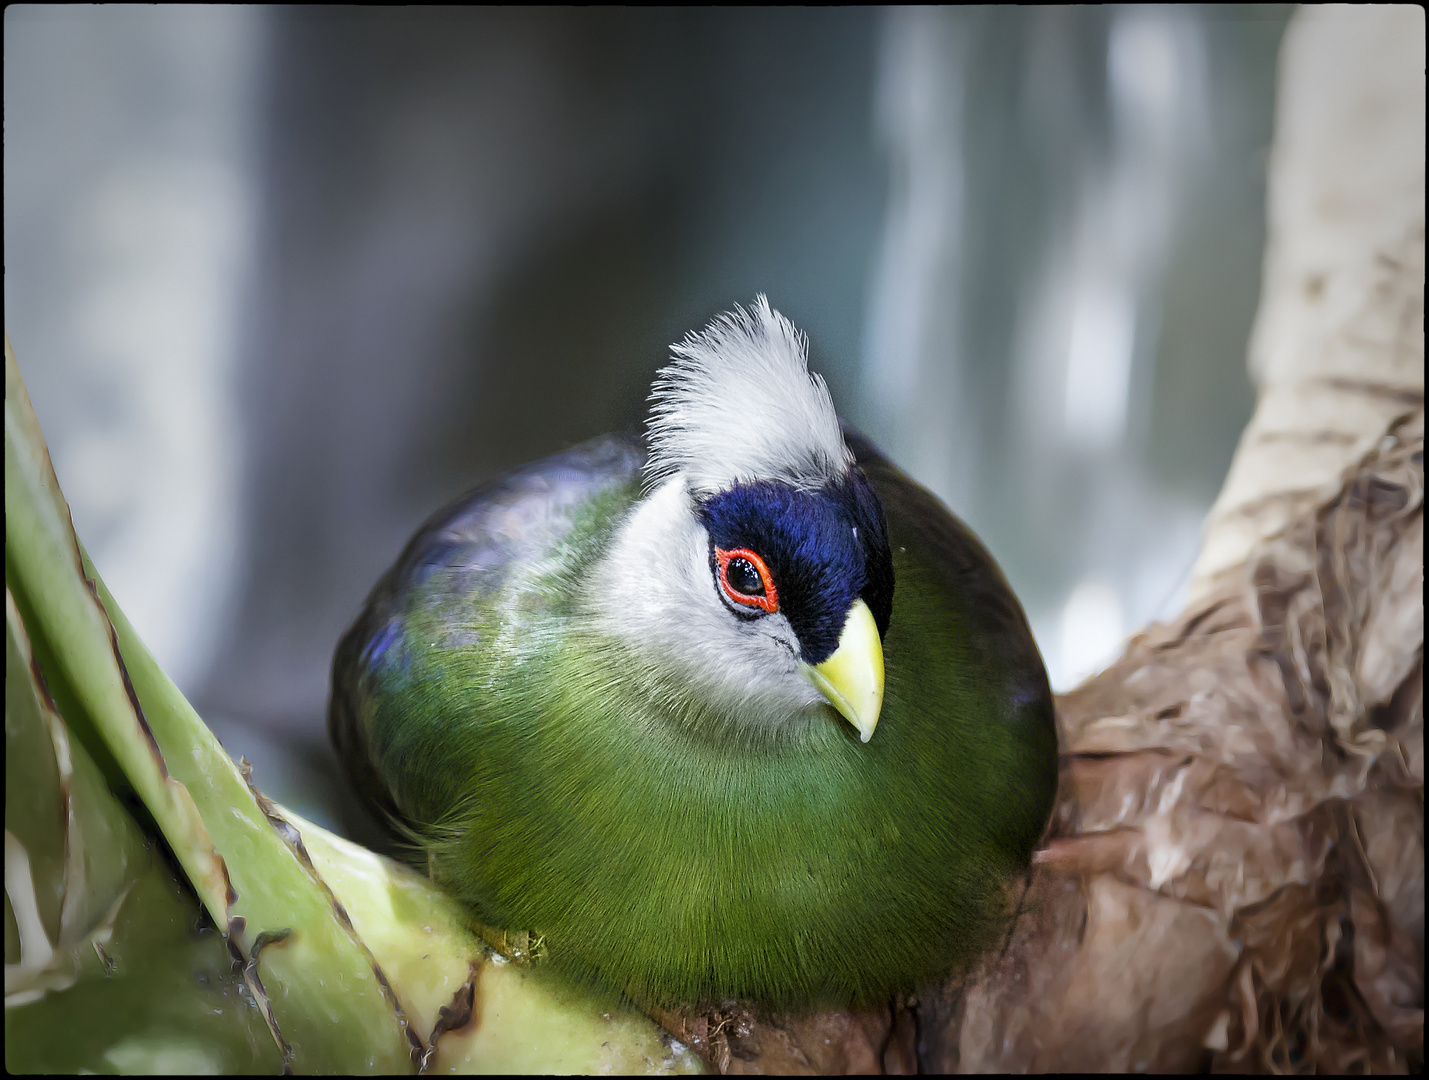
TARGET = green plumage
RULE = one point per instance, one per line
(661, 847)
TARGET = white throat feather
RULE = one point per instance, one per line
(737, 403)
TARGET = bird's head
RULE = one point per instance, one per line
(756, 570)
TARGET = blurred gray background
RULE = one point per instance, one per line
(283, 281)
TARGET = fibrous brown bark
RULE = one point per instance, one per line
(1234, 874)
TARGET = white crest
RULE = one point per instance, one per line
(738, 403)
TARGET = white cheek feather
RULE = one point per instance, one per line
(654, 591)
(738, 403)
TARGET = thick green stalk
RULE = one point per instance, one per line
(326, 1003)
(105, 931)
(352, 959)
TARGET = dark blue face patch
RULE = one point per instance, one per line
(824, 549)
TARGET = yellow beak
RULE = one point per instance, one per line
(852, 679)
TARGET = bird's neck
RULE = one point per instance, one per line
(649, 624)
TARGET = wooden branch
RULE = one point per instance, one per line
(1234, 875)
(1337, 351)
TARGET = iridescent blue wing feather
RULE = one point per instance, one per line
(475, 544)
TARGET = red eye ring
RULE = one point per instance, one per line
(769, 602)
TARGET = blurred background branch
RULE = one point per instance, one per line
(285, 280)
(1233, 879)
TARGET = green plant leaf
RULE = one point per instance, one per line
(355, 963)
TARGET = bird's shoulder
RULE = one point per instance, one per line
(924, 532)
(523, 519)
(503, 547)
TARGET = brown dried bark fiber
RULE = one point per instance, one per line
(1234, 874)
(1233, 878)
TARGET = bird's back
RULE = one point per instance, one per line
(483, 547)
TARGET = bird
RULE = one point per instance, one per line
(736, 711)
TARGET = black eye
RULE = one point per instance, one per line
(745, 580)
(743, 577)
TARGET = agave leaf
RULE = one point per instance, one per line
(356, 963)
(33, 797)
(248, 878)
(71, 850)
(523, 1021)
(109, 969)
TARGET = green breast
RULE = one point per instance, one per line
(561, 797)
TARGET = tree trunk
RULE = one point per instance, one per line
(1234, 874)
